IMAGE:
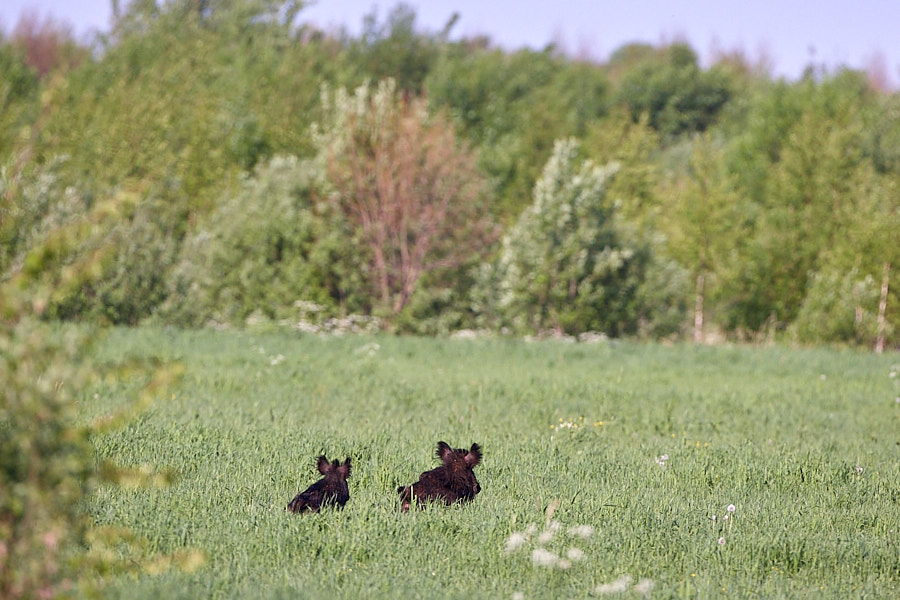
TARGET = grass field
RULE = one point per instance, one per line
(607, 468)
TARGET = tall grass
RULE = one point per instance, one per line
(604, 467)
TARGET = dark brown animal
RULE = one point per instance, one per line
(453, 481)
(330, 490)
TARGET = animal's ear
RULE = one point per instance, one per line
(344, 469)
(444, 451)
(474, 455)
(324, 466)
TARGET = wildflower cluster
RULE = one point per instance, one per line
(541, 556)
(723, 527)
(558, 547)
(661, 460)
(311, 320)
(573, 424)
(621, 585)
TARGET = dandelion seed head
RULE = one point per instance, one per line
(515, 541)
(544, 558)
(546, 537)
(582, 531)
(643, 586)
(575, 554)
(721, 541)
(616, 587)
(731, 508)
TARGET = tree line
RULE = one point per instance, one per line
(218, 161)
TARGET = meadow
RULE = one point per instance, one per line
(613, 469)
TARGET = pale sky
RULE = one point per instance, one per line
(789, 34)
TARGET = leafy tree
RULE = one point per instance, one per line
(634, 146)
(394, 49)
(672, 89)
(852, 297)
(18, 107)
(267, 246)
(810, 195)
(401, 177)
(512, 107)
(48, 46)
(568, 264)
(703, 221)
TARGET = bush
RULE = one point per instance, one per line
(838, 308)
(45, 460)
(264, 248)
(569, 264)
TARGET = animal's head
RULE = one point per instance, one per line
(334, 471)
(459, 463)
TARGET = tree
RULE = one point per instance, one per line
(268, 245)
(402, 177)
(570, 265)
(703, 224)
(678, 96)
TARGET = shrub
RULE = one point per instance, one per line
(569, 264)
(264, 248)
(45, 460)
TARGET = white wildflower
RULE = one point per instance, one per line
(515, 541)
(544, 558)
(643, 586)
(616, 587)
(549, 532)
(582, 531)
(575, 554)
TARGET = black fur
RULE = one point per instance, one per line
(453, 481)
(331, 489)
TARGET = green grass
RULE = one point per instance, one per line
(779, 433)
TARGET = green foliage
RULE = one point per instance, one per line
(633, 146)
(394, 49)
(407, 185)
(272, 243)
(838, 308)
(45, 457)
(18, 92)
(574, 434)
(112, 156)
(676, 94)
(513, 107)
(568, 264)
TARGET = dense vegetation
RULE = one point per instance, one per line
(223, 160)
(222, 163)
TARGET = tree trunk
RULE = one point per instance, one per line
(882, 308)
(698, 311)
